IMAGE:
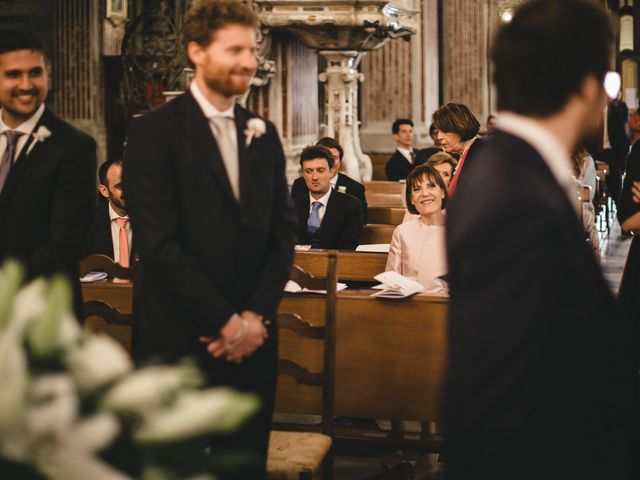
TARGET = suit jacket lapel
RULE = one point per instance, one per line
(24, 159)
(330, 216)
(197, 128)
(244, 158)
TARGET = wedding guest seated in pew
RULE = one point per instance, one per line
(445, 165)
(339, 181)
(110, 232)
(417, 248)
(403, 159)
(327, 218)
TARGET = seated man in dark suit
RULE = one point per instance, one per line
(327, 218)
(339, 181)
(110, 232)
(403, 159)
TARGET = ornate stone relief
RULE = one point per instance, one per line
(342, 31)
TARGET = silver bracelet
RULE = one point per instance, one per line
(239, 338)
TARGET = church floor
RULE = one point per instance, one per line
(614, 249)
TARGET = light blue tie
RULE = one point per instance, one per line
(313, 224)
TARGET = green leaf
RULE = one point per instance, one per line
(11, 278)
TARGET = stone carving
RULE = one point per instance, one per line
(342, 31)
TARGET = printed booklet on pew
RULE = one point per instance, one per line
(394, 285)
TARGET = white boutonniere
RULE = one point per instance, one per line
(39, 135)
(255, 129)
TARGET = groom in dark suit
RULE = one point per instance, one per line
(540, 379)
(47, 169)
(214, 225)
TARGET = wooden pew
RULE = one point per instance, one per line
(382, 346)
(352, 266)
(376, 233)
(385, 200)
(390, 361)
(378, 186)
(386, 215)
(117, 295)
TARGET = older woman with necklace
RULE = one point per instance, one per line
(458, 135)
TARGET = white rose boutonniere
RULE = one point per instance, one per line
(255, 129)
(39, 135)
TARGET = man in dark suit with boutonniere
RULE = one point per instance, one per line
(327, 218)
(339, 181)
(214, 224)
(540, 359)
(47, 169)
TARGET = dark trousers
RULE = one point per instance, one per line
(257, 375)
(616, 161)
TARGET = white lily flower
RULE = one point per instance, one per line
(39, 135)
(72, 457)
(70, 331)
(145, 390)
(43, 334)
(196, 413)
(14, 380)
(66, 465)
(53, 407)
(97, 361)
(28, 305)
(255, 129)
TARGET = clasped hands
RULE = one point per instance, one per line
(242, 335)
(635, 191)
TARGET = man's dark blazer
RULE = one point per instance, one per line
(398, 167)
(205, 256)
(539, 357)
(46, 203)
(100, 239)
(341, 224)
(352, 188)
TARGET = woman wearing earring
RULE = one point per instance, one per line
(417, 248)
(458, 135)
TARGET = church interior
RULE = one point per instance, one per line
(369, 371)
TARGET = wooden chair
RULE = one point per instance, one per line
(295, 453)
(376, 233)
(111, 313)
(386, 215)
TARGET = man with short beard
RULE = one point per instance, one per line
(110, 232)
(47, 169)
(541, 379)
(215, 228)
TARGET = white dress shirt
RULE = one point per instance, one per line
(26, 128)
(115, 233)
(323, 200)
(552, 151)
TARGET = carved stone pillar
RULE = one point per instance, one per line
(341, 109)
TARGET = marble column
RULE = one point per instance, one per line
(341, 79)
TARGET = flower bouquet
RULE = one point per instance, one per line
(72, 407)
